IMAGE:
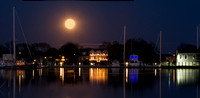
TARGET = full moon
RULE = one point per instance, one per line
(70, 23)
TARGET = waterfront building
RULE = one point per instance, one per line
(188, 58)
(98, 57)
(168, 59)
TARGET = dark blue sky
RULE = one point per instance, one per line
(102, 21)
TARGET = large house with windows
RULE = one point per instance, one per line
(188, 58)
(98, 57)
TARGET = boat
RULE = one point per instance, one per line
(133, 60)
(10, 59)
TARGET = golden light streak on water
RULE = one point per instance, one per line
(98, 75)
(79, 72)
(126, 75)
(62, 74)
(33, 74)
(174, 76)
(20, 83)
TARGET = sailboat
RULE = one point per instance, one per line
(116, 63)
(10, 59)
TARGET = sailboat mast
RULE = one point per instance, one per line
(124, 42)
(197, 37)
(160, 45)
(14, 48)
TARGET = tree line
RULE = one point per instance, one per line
(147, 52)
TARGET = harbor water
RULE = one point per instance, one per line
(99, 83)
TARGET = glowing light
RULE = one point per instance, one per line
(133, 75)
(79, 72)
(70, 23)
(62, 74)
(20, 83)
(33, 74)
(61, 63)
(45, 57)
(91, 63)
(70, 71)
(126, 63)
(126, 75)
(98, 75)
(20, 52)
(174, 77)
(155, 72)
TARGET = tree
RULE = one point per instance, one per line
(70, 51)
(23, 52)
(115, 50)
(38, 49)
(52, 54)
(144, 50)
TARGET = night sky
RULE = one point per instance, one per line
(43, 21)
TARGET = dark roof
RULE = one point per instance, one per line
(189, 51)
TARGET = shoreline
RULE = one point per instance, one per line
(99, 66)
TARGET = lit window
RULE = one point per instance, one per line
(187, 63)
(190, 63)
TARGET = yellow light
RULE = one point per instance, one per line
(79, 72)
(33, 74)
(45, 57)
(126, 75)
(62, 74)
(70, 71)
(70, 23)
(91, 64)
(173, 54)
(126, 63)
(20, 52)
(63, 58)
(61, 63)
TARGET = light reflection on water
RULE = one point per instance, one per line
(99, 82)
(187, 76)
(98, 75)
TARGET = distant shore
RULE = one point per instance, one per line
(99, 66)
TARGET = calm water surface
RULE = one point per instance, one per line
(99, 83)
